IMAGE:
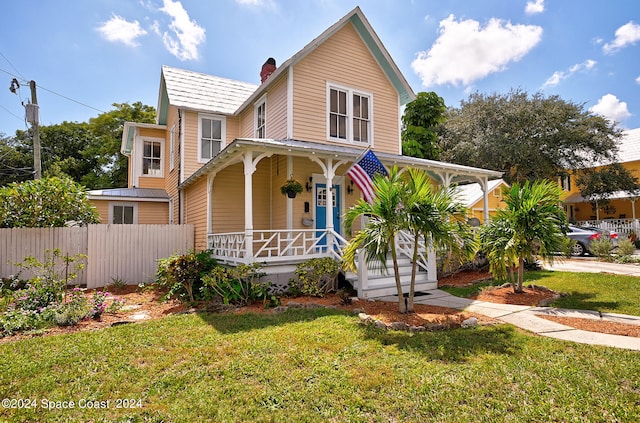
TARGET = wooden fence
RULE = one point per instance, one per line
(125, 252)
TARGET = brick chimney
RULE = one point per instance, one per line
(268, 68)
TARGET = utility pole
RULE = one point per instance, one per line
(33, 117)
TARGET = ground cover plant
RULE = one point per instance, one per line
(584, 291)
(313, 365)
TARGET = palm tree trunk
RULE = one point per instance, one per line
(402, 305)
(520, 276)
(414, 269)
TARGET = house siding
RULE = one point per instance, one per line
(345, 60)
(195, 211)
(149, 212)
(277, 109)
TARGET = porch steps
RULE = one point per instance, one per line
(379, 283)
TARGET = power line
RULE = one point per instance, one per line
(11, 64)
(11, 113)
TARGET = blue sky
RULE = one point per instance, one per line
(87, 55)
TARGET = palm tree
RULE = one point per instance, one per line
(433, 213)
(529, 227)
(413, 204)
(378, 237)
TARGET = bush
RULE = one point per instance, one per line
(240, 285)
(317, 276)
(181, 274)
(626, 247)
(601, 248)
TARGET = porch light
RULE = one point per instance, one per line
(350, 188)
(309, 185)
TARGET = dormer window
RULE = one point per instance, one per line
(349, 115)
(211, 135)
(152, 158)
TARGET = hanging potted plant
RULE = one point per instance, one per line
(291, 188)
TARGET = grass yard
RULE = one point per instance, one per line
(586, 291)
(315, 365)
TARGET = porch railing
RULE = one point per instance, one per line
(272, 246)
(405, 243)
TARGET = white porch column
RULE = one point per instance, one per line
(249, 169)
(330, 172)
(209, 206)
(485, 199)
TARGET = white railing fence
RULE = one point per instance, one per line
(273, 246)
(126, 252)
(621, 226)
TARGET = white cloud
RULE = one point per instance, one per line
(465, 52)
(534, 7)
(627, 34)
(188, 34)
(610, 107)
(118, 29)
(558, 76)
(638, 80)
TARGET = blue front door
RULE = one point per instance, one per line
(322, 196)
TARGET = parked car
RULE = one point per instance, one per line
(583, 236)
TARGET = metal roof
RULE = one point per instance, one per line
(137, 194)
(207, 93)
(232, 153)
(629, 146)
(470, 194)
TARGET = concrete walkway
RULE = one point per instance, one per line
(592, 265)
(527, 317)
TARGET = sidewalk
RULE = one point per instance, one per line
(526, 317)
(592, 265)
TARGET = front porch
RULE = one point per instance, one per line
(280, 251)
(249, 220)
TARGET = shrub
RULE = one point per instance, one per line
(316, 276)
(240, 285)
(626, 247)
(601, 248)
(181, 274)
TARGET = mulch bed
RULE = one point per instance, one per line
(148, 304)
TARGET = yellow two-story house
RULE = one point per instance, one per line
(221, 150)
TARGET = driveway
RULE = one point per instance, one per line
(592, 265)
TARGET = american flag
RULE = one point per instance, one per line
(363, 171)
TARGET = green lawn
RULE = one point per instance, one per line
(315, 366)
(586, 291)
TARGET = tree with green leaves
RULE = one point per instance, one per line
(419, 122)
(46, 202)
(433, 215)
(378, 237)
(412, 204)
(532, 225)
(528, 137)
(87, 152)
(599, 184)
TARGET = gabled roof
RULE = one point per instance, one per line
(470, 194)
(198, 91)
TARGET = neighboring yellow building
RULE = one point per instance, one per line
(622, 206)
(221, 149)
(473, 198)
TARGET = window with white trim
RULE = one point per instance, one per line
(123, 213)
(212, 136)
(172, 148)
(566, 182)
(261, 118)
(152, 158)
(349, 115)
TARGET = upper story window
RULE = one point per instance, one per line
(261, 118)
(212, 136)
(152, 158)
(172, 148)
(349, 115)
(566, 182)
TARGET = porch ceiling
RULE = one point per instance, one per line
(232, 154)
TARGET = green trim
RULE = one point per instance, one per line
(387, 67)
(163, 107)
